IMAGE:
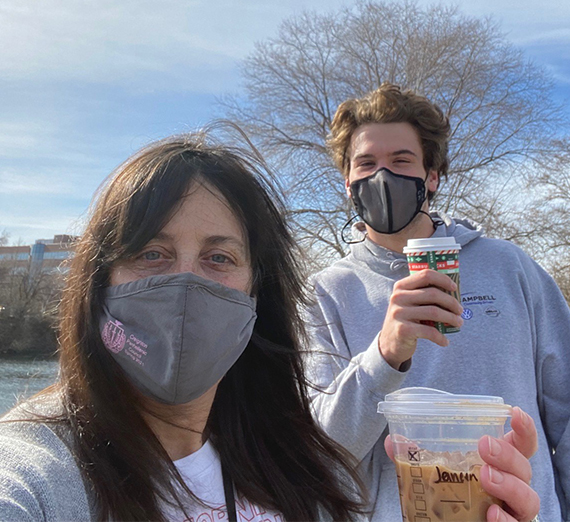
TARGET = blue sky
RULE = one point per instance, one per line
(84, 84)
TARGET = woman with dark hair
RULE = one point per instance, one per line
(181, 393)
(181, 389)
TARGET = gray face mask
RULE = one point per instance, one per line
(177, 335)
(388, 202)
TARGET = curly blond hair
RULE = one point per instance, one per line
(389, 104)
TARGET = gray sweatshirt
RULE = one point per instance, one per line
(40, 480)
(515, 343)
(39, 477)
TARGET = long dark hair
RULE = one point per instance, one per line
(260, 422)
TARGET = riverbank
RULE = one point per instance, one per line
(23, 376)
(12, 355)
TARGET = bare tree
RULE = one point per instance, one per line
(504, 121)
(28, 302)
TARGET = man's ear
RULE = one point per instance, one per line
(432, 181)
(347, 187)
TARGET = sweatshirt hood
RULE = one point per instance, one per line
(386, 261)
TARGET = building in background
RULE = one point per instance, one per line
(45, 255)
(31, 280)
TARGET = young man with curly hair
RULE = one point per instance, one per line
(368, 331)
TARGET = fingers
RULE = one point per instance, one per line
(523, 435)
(430, 312)
(506, 475)
(389, 448)
(426, 278)
(520, 498)
(496, 514)
(417, 301)
(425, 288)
(434, 295)
(502, 456)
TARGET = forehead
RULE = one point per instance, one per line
(379, 139)
(205, 210)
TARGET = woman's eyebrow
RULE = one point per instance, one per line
(163, 236)
(234, 241)
(231, 240)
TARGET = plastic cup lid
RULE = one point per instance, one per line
(431, 243)
(428, 401)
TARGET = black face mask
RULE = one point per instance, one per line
(388, 202)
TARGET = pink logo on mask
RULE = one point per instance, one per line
(113, 336)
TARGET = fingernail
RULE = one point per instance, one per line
(494, 447)
(525, 417)
(495, 476)
(499, 515)
(527, 420)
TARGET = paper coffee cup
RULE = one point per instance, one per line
(434, 435)
(437, 253)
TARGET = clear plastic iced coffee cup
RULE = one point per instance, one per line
(434, 436)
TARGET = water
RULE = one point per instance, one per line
(21, 378)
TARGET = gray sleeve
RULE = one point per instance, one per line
(551, 321)
(347, 387)
(39, 479)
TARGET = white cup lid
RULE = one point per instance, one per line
(428, 401)
(431, 243)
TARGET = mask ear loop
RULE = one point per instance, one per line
(343, 231)
(435, 222)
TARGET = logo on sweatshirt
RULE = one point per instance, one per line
(491, 311)
(471, 298)
(479, 303)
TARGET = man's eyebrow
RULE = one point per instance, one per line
(403, 151)
(362, 156)
(395, 153)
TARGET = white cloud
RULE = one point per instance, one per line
(25, 229)
(109, 41)
(145, 45)
(16, 138)
(104, 41)
(17, 183)
(140, 44)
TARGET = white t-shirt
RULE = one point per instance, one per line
(202, 472)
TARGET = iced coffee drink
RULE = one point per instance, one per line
(434, 437)
(442, 487)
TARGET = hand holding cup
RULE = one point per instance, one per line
(506, 472)
(416, 301)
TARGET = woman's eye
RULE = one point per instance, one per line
(151, 256)
(219, 258)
